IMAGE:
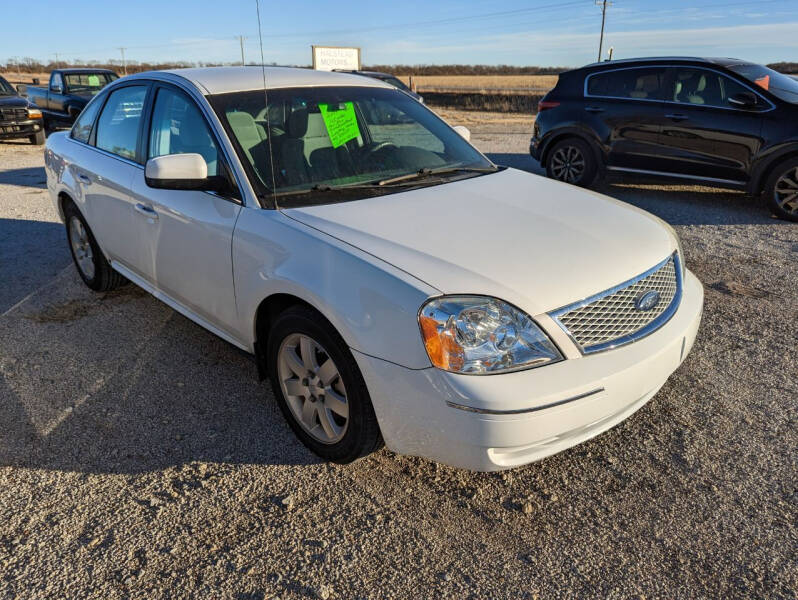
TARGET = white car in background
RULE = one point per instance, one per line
(391, 281)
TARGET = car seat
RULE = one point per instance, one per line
(292, 150)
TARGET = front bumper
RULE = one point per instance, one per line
(18, 129)
(494, 422)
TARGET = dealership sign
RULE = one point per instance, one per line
(328, 58)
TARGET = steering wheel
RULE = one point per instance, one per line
(379, 146)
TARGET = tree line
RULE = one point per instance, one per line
(30, 65)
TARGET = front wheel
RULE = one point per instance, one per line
(781, 190)
(319, 387)
(572, 161)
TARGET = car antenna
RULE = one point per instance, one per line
(266, 104)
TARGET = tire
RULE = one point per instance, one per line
(38, 138)
(781, 190)
(95, 271)
(300, 343)
(573, 161)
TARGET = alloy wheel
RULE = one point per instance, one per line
(568, 164)
(81, 247)
(313, 388)
(786, 191)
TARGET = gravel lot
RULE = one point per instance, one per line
(140, 457)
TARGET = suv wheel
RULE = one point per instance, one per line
(319, 387)
(93, 268)
(781, 190)
(572, 161)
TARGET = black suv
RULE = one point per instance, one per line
(720, 121)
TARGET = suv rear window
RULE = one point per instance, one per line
(644, 83)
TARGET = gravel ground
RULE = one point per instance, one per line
(140, 458)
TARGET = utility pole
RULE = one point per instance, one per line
(124, 63)
(56, 59)
(241, 39)
(603, 4)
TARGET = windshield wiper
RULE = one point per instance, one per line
(425, 172)
(323, 187)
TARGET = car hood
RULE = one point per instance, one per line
(531, 241)
(12, 101)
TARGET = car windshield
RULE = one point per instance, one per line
(6, 89)
(781, 86)
(313, 141)
(397, 83)
(88, 83)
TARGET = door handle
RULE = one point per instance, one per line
(145, 210)
(594, 109)
(677, 116)
(83, 178)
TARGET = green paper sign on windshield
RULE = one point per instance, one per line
(94, 80)
(340, 121)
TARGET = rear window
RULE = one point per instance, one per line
(639, 84)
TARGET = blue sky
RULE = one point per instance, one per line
(531, 32)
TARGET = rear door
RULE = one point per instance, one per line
(107, 175)
(625, 108)
(185, 236)
(705, 136)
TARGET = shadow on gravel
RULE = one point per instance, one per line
(678, 204)
(31, 254)
(120, 383)
(27, 177)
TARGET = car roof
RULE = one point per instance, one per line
(723, 62)
(221, 80)
(83, 70)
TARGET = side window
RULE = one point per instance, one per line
(81, 130)
(55, 81)
(118, 125)
(178, 127)
(703, 87)
(642, 84)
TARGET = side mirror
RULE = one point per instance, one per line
(37, 81)
(22, 89)
(744, 100)
(56, 89)
(464, 132)
(179, 172)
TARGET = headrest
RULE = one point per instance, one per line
(297, 123)
(702, 84)
(244, 127)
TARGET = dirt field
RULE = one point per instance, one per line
(486, 83)
(140, 457)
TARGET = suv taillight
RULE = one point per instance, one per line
(546, 105)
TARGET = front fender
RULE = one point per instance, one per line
(373, 305)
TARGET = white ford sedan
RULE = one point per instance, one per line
(391, 281)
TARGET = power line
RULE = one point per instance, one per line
(604, 4)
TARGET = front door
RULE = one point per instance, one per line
(186, 235)
(703, 135)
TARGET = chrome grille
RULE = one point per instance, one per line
(13, 114)
(613, 318)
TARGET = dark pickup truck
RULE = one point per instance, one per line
(68, 92)
(18, 117)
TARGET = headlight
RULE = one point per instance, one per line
(34, 113)
(479, 335)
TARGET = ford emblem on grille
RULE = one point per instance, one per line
(647, 300)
